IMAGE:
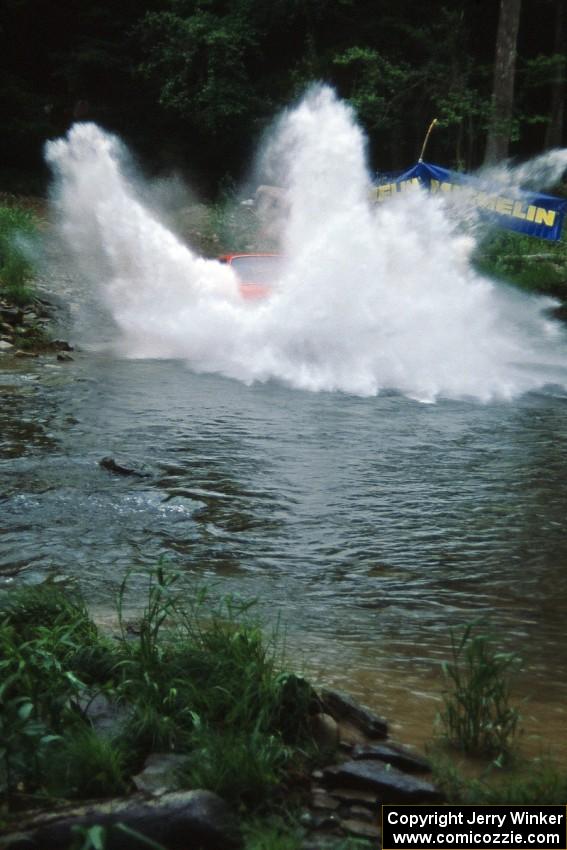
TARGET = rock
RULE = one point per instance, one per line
(321, 799)
(61, 345)
(391, 785)
(325, 731)
(20, 353)
(392, 754)
(343, 707)
(361, 828)
(350, 735)
(354, 795)
(11, 315)
(160, 774)
(362, 813)
(317, 820)
(5, 345)
(178, 820)
(106, 717)
(121, 467)
(64, 358)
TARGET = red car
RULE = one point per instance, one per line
(256, 272)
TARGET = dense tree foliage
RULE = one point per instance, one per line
(193, 83)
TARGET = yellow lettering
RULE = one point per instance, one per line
(409, 184)
(518, 210)
(530, 215)
(434, 186)
(384, 191)
(544, 216)
(504, 206)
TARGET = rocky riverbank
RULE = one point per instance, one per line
(362, 769)
(26, 330)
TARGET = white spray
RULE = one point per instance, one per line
(372, 298)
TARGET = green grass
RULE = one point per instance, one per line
(17, 229)
(477, 716)
(534, 265)
(522, 782)
(200, 678)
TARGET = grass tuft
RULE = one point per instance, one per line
(477, 715)
(17, 229)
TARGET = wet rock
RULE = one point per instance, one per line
(178, 820)
(354, 795)
(317, 820)
(122, 467)
(106, 717)
(362, 829)
(5, 345)
(64, 358)
(343, 707)
(350, 735)
(23, 354)
(391, 785)
(362, 813)
(61, 345)
(325, 731)
(321, 799)
(11, 315)
(392, 754)
(160, 774)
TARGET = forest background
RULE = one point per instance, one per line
(191, 85)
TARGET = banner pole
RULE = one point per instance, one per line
(425, 141)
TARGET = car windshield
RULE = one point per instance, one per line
(257, 269)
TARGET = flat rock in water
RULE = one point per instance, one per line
(391, 785)
(343, 707)
(392, 754)
(182, 819)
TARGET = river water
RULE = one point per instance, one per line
(371, 526)
(377, 452)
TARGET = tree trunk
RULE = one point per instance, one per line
(500, 127)
(554, 130)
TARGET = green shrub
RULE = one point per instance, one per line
(84, 765)
(525, 783)
(477, 715)
(199, 678)
(17, 227)
(242, 766)
(531, 264)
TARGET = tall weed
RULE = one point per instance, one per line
(17, 227)
(477, 716)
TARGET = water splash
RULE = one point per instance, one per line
(372, 298)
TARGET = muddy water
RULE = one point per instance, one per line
(370, 526)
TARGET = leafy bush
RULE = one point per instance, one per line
(17, 226)
(477, 715)
(86, 765)
(199, 678)
(241, 766)
(525, 783)
(526, 262)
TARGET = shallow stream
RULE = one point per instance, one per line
(371, 526)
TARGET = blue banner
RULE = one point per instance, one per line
(525, 212)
